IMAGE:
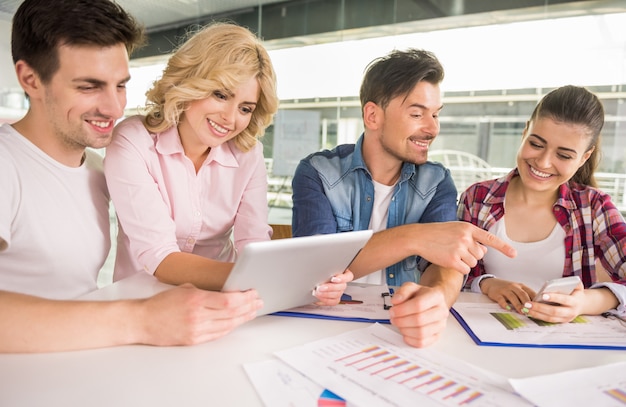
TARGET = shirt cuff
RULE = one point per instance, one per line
(619, 291)
(476, 283)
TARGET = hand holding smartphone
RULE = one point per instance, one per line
(563, 285)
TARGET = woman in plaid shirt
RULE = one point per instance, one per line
(549, 209)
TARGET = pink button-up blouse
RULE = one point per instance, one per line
(163, 206)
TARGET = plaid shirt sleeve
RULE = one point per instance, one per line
(599, 235)
(482, 204)
(468, 210)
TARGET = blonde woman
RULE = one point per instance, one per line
(188, 180)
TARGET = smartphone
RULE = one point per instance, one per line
(563, 285)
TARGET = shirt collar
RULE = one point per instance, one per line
(357, 157)
(168, 143)
(564, 199)
(408, 169)
(223, 155)
(497, 194)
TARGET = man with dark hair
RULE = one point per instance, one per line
(71, 59)
(385, 183)
(40, 27)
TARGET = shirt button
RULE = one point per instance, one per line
(191, 240)
(197, 214)
(369, 198)
(391, 275)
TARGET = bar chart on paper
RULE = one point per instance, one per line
(372, 367)
(511, 321)
(488, 324)
(379, 362)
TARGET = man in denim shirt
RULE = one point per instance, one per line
(386, 184)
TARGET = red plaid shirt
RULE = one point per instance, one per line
(594, 228)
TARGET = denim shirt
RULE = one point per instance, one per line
(333, 192)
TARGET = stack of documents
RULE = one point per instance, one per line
(374, 367)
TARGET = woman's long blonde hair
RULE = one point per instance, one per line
(221, 56)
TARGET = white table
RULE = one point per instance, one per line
(211, 374)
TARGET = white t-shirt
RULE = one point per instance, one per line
(378, 222)
(54, 221)
(547, 258)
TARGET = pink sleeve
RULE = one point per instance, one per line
(251, 219)
(149, 232)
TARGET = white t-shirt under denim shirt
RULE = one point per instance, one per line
(378, 222)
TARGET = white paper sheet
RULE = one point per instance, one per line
(603, 386)
(367, 305)
(280, 385)
(374, 367)
(493, 325)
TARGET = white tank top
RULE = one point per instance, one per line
(378, 222)
(535, 262)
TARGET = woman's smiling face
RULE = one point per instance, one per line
(551, 152)
(220, 117)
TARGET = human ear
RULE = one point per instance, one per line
(27, 77)
(586, 156)
(372, 117)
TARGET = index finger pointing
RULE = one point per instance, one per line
(491, 240)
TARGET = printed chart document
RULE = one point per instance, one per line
(488, 324)
(374, 367)
(360, 303)
(603, 386)
(280, 385)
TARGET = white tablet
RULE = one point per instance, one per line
(285, 271)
